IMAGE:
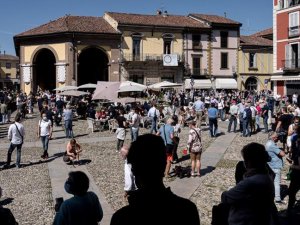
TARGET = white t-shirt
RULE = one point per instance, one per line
(45, 127)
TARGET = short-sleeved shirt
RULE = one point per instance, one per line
(45, 127)
(121, 120)
(273, 151)
(165, 132)
(286, 120)
(212, 113)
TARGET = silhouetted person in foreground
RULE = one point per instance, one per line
(82, 209)
(153, 203)
(251, 201)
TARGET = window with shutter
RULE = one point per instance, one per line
(294, 24)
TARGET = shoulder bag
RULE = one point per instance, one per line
(19, 134)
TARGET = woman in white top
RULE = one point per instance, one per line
(45, 133)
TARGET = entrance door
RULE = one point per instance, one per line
(93, 66)
(44, 71)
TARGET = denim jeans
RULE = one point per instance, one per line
(153, 125)
(10, 151)
(45, 142)
(213, 126)
(4, 117)
(234, 120)
(257, 121)
(277, 184)
(120, 144)
(221, 114)
(68, 128)
(266, 123)
(134, 133)
(246, 131)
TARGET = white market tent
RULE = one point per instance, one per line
(198, 84)
(226, 83)
(164, 84)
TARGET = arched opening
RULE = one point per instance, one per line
(44, 70)
(93, 66)
(251, 84)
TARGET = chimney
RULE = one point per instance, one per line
(158, 12)
(165, 13)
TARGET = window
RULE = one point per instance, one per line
(136, 46)
(224, 60)
(167, 77)
(224, 39)
(292, 52)
(196, 66)
(137, 78)
(196, 40)
(168, 38)
(8, 65)
(294, 24)
(251, 84)
(7, 75)
(252, 60)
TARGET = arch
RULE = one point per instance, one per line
(43, 47)
(251, 84)
(92, 65)
(44, 70)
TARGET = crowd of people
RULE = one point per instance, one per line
(165, 115)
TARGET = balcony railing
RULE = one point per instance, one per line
(147, 57)
(294, 31)
(291, 64)
(198, 72)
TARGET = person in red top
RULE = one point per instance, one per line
(257, 117)
(100, 114)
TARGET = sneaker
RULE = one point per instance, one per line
(280, 202)
(43, 156)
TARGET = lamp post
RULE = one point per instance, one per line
(212, 79)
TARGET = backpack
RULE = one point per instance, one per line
(248, 113)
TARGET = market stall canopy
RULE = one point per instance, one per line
(89, 85)
(198, 84)
(129, 86)
(106, 90)
(228, 83)
(66, 88)
(164, 84)
(129, 100)
(73, 93)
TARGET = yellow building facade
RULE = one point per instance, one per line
(9, 72)
(255, 60)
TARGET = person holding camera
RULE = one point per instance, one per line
(83, 208)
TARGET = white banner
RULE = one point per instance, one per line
(170, 60)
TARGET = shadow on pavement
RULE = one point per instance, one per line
(207, 170)
(6, 201)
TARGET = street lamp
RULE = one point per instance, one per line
(212, 79)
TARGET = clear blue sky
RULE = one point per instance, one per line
(20, 15)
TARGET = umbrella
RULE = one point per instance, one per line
(89, 85)
(129, 86)
(106, 90)
(65, 88)
(128, 100)
(164, 84)
(73, 93)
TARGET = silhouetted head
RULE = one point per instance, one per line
(255, 156)
(77, 183)
(148, 158)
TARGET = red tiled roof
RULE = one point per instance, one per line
(255, 41)
(265, 32)
(85, 24)
(8, 57)
(214, 19)
(157, 20)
